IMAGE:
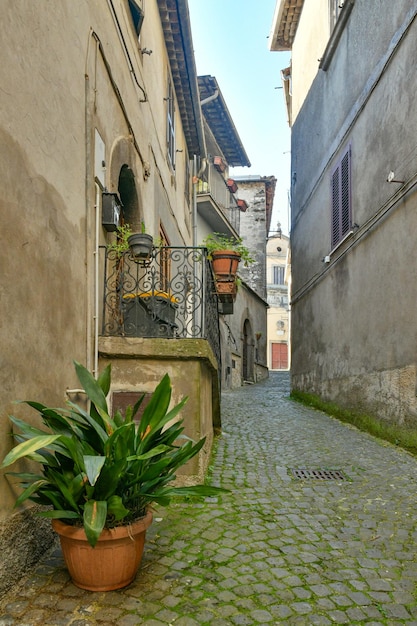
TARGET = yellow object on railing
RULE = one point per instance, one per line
(150, 294)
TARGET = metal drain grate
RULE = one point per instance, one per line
(318, 474)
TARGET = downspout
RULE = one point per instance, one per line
(336, 35)
(196, 176)
(210, 98)
(96, 278)
(88, 160)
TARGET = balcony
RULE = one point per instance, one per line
(171, 295)
(216, 203)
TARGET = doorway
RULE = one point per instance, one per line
(248, 353)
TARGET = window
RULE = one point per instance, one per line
(278, 272)
(137, 15)
(171, 124)
(187, 181)
(341, 199)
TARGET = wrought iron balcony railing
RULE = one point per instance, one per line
(171, 295)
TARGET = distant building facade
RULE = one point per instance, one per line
(277, 271)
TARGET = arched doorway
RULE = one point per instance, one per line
(248, 352)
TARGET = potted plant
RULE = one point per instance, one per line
(225, 254)
(101, 474)
(140, 244)
(120, 245)
(217, 243)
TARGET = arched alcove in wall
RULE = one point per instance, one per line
(247, 352)
(124, 179)
(128, 195)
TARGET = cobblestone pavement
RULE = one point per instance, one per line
(277, 549)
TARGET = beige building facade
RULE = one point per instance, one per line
(278, 297)
(104, 123)
(100, 124)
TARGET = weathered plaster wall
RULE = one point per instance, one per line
(139, 364)
(353, 331)
(310, 42)
(65, 74)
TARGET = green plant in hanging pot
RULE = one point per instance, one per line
(225, 254)
(220, 243)
(101, 474)
(140, 244)
(120, 245)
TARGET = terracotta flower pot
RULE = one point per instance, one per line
(112, 563)
(225, 264)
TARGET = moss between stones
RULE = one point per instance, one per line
(403, 436)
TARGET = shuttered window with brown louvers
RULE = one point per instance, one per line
(341, 199)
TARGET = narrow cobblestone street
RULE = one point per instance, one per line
(277, 549)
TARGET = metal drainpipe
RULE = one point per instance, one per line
(96, 279)
(88, 159)
(210, 98)
(196, 175)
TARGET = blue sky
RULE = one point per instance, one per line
(230, 40)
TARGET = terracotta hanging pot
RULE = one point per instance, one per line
(112, 563)
(226, 288)
(225, 264)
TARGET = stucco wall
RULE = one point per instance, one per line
(308, 47)
(139, 364)
(353, 331)
(67, 72)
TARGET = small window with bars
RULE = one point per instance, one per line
(341, 199)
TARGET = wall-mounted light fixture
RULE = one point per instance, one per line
(391, 179)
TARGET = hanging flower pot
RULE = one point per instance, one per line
(231, 185)
(140, 245)
(226, 290)
(219, 164)
(225, 264)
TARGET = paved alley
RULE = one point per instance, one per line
(284, 547)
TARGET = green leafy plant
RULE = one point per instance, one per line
(120, 245)
(99, 471)
(217, 241)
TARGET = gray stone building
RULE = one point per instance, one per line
(351, 91)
